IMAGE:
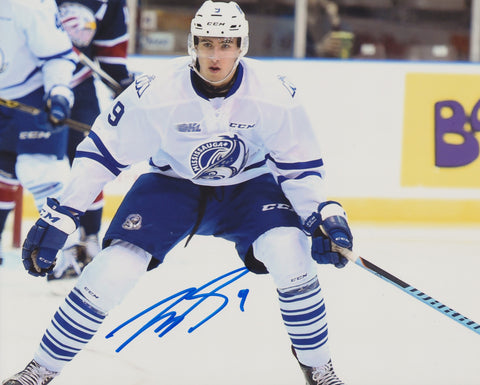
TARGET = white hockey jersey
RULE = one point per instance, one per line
(34, 48)
(259, 127)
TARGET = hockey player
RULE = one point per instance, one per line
(98, 29)
(232, 154)
(36, 65)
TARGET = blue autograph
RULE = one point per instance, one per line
(170, 317)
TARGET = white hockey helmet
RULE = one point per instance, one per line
(219, 19)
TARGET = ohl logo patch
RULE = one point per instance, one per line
(441, 132)
(221, 158)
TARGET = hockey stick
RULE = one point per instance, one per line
(407, 288)
(14, 105)
(111, 82)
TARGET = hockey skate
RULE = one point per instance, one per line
(33, 374)
(323, 375)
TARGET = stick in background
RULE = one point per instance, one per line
(13, 104)
(111, 82)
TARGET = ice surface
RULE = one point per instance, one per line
(378, 334)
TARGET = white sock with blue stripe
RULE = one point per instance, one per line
(304, 316)
(72, 327)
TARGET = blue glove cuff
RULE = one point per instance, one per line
(59, 217)
(59, 108)
(59, 102)
(316, 219)
(338, 231)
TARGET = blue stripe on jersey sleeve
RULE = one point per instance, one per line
(100, 159)
(31, 74)
(59, 55)
(282, 179)
(256, 165)
(104, 158)
(161, 168)
(298, 165)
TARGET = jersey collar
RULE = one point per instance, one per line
(196, 81)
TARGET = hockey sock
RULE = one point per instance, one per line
(304, 316)
(3, 219)
(72, 327)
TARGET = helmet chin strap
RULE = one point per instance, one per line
(218, 82)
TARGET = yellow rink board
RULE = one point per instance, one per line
(436, 211)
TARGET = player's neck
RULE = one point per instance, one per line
(209, 90)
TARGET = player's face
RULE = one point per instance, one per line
(216, 57)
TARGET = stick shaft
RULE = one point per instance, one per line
(412, 291)
(13, 104)
(111, 82)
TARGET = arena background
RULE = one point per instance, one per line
(390, 156)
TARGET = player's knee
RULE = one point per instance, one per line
(280, 241)
(112, 274)
(285, 252)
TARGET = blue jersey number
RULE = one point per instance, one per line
(116, 114)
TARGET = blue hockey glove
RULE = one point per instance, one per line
(46, 237)
(329, 227)
(58, 104)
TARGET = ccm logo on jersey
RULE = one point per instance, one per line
(243, 126)
(274, 206)
(35, 135)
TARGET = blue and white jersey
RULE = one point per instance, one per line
(34, 48)
(259, 127)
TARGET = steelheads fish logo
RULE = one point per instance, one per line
(222, 158)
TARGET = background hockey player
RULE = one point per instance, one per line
(98, 29)
(36, 65)
(233, 154)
